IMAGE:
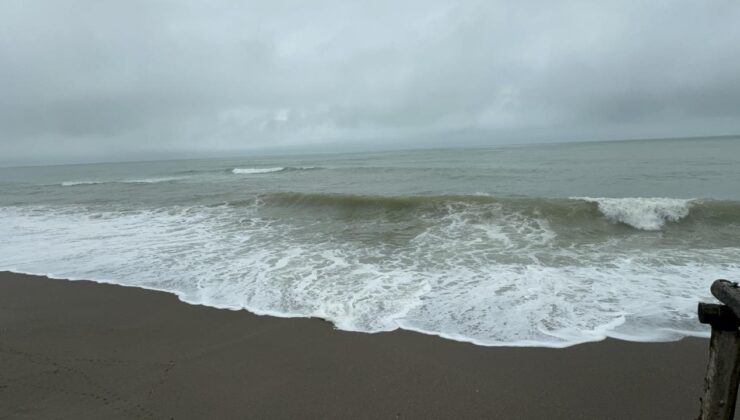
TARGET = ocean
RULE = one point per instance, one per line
(538, 245)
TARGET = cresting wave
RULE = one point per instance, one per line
(647, 213)
(642, 213)
(250, 171)
(492, 271)
(122, 181)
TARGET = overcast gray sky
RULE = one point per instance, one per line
(99, 79)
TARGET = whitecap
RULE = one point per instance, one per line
(644, 213)
(121, 181)
(249, 171)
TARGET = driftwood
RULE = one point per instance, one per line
(723, 369)
(727, 293)
(720, 316)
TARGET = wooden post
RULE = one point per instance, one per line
(723, 369)
(728, 293)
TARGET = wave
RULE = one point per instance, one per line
(250, 171)
(646, 214)
(247, 171)
(642, 213)
(492, 271)
(122, 181)
(76, 183)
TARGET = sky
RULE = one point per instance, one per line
(121, 80)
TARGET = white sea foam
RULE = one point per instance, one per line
(152, 180)
(75, 183)
(494, 281)
(642, 213)
(248, 171)
(122, 181)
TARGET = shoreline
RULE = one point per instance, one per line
(89, 349)
(684, 334)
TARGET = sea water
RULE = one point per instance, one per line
(538, 245)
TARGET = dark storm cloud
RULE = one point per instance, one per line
(107, 79)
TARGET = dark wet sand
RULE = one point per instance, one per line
(86, 350)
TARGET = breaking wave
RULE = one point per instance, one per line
(122, 181)
(76, 183)
(250, 171)
(648, 214)
(489, 270)
(642, 213)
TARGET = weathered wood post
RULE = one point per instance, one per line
(723, 369)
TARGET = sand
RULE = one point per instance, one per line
(86, 350)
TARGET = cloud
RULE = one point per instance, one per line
(106, 79)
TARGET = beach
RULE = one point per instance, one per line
(534, 246)
(78, 349)
(369, 209)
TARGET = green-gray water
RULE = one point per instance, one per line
(535, 245)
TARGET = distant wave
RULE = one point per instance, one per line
(76, 183)
(642, 213)
(188, 174)
(250, 171)
(122, 181)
